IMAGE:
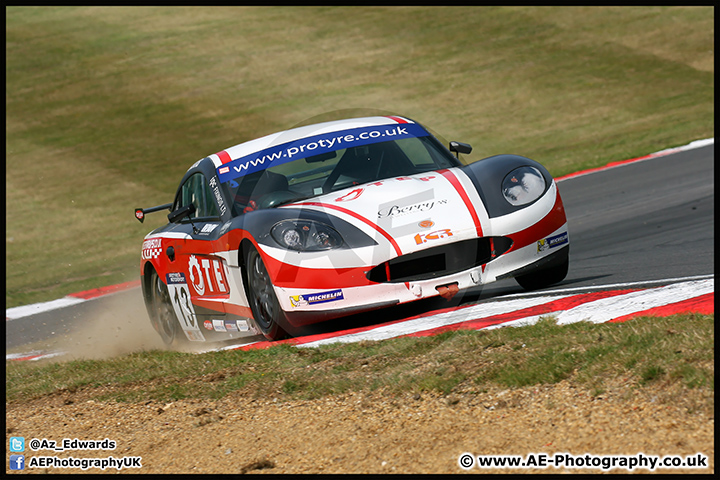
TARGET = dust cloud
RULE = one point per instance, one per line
(114, 325)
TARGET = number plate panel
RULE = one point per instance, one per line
(184, 310)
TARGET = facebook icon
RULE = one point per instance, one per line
(17, 462)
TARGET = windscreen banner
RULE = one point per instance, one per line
(317, 145)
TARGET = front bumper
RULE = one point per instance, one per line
(306, 306)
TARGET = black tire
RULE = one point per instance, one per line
(264, 304)
(544, 278)
(162, 314)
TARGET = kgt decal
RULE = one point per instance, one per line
(421, 238)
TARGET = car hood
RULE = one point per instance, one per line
(410, 213)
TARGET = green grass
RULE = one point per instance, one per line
(643, 352)
(648, 350)
(106, 107)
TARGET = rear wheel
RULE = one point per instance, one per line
(261, 295)
(162, 314)
(545, 277)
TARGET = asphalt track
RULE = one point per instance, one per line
(644, 223)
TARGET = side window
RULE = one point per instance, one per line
(197, 191)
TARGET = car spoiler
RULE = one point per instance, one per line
(140, 212)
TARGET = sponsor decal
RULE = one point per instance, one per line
(315, 298)
(207, 275)
(421, 238)
(175, 278)
(552, 242)
(196, 276)
(219, 326)
(222, 170)
(351, 195)
(207, 229)
(231, 326)
(208, 324)
(422, 179)
(194, 336)
(218, 197)
(426, 224)
(316, 145)
(225, 228)
(151, 248)
(397, 210)
(242, 325)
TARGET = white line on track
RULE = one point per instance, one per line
(661, 153)
(27, 310)
(598, 311)
(440, 320)
(606, 309)
(662, 281)
(34, 355)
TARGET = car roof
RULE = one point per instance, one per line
(279, 138)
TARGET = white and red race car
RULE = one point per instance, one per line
(327, 220)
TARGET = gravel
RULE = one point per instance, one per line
(375, 432)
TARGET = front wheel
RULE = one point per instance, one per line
(264, 304)
(162, 314)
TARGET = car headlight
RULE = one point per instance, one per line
(523, 185)
(306, 235)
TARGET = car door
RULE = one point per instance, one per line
(199, 286)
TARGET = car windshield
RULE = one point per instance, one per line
(326, 163)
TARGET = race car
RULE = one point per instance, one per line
(322, 221)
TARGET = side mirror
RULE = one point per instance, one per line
(180, 213)
(459, 147)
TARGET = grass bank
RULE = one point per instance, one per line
(676, 350)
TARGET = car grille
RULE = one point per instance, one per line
(440, 261)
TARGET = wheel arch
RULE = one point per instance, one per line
(147, 271)
(243, 249)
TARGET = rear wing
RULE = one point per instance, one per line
(140, 212)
